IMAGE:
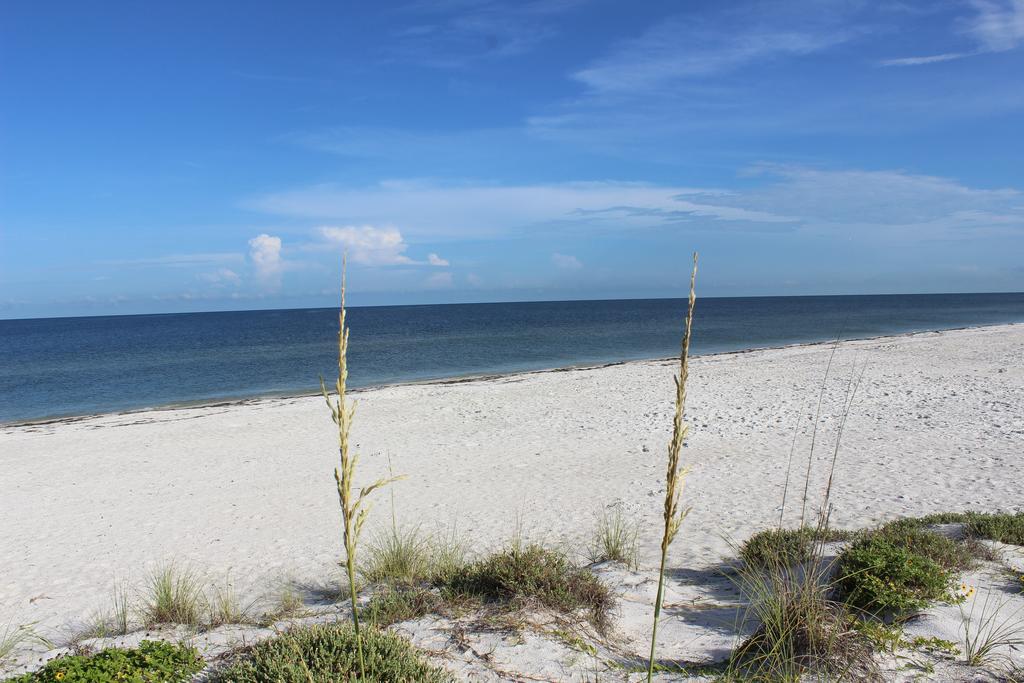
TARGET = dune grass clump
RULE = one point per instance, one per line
(332, 654)
(407, 557)
(801, 632)
(173, 595)
(615, 540)
(897, 569)
(151, 662)
(532, 574)
(675, 475)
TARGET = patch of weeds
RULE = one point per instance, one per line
(12, 637)
(935, 645)
(882, 637)
(534, 574)
(151, 662)
(173, 595)
(1003, 527)
(897, 569)
(328, 654)
(573, 641)
(224, 606)
(394, 604)
(615, 540)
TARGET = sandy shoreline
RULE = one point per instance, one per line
(245, 487)
(452, 379)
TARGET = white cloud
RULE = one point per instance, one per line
(370, 245)
(998, 25)
(566, 262)
(265, 253)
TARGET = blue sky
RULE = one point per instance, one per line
(205, 156)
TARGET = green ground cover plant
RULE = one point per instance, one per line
(899, 568)
(330, 654)
(151, 662)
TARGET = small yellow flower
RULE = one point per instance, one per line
(59, 675)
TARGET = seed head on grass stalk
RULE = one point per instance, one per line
(354, 508)
(675, 476)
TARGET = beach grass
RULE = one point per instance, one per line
(173, 594)
(615, 539)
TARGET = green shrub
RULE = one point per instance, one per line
(899, 569)
(521, 575)
(327, 654)
(151, 662)
(786, 547)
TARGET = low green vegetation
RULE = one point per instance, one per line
(786, 547)
(393, 604)
(900, 567)
(328, 654)
(532, 574)
(991, 526)
(151, 662)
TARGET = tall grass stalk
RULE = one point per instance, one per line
(354, 507)
(675, 476)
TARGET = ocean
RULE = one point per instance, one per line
(76, 366)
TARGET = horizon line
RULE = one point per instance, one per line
(498, 303)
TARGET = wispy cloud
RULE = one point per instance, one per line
(877, 205)
(994, 26)
(454, 33)
(930, 59)
(688, 47)
(177, 260)
(444, 211)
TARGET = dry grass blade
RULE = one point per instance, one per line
(354, 507)
(675, 476)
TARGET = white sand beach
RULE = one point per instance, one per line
(246, 489)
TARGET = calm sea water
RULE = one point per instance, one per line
(74, 366)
